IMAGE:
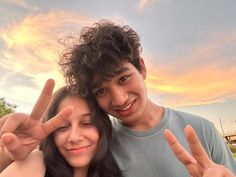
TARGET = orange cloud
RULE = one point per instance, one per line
(205, 75)
(30, 49)
(31, 45)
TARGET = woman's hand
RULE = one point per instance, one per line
(21, 133)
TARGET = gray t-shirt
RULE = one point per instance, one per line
(147, 154)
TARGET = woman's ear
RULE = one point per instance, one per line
(143, 69)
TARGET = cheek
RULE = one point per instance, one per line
(60, 139)
(103, 102)
(59, 142)
(141, 87)
(94, 135)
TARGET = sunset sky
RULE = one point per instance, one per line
(189, 48)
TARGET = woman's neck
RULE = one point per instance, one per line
(81, 172)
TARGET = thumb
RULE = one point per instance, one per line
(12, 145)
(8, 140)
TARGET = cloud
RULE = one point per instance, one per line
(203, 74)
(31, 46)
(29, 49)
(144, 3)
(22, 4)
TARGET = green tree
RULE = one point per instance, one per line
(5, 107)
(232, 147)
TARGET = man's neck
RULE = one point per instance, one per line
(151, 117)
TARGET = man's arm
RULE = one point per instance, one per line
(198, 163)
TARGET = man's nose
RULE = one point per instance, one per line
(119, 97)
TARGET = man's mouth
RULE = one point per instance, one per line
(128, 109)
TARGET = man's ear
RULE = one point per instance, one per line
(143, 68)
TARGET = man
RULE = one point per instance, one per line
(107, 64)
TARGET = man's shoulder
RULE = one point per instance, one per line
(187, 118)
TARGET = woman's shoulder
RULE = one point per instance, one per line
(33, 165)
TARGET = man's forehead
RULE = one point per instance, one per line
(99, 79)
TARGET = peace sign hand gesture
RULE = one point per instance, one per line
(21, 133)
(198, 163)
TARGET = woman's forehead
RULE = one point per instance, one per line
(77, 101)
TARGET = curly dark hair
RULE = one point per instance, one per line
(100, 51)
(103, 164)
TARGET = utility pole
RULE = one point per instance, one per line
(223, 133)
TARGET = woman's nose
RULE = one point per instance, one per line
(76, 134)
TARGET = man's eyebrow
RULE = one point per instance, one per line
(120, 70)
(101, 79)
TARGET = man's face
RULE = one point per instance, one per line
(124, 96)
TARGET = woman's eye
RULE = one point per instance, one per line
(63, 128)
(87, 124)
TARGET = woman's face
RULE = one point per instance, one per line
(77, 139)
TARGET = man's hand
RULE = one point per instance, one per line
(21, 133)
(198, 163)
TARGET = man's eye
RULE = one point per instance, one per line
(123, 79)
(100, 92)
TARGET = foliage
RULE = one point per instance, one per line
(5, 107)
(232, 147)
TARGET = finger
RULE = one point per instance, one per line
(43, 100)
(13, 122)
(183, 155)
(12, 144)
(178, 149)
(55, 122)
(6, 138)
(196, 148)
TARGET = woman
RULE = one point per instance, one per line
(78, 148)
